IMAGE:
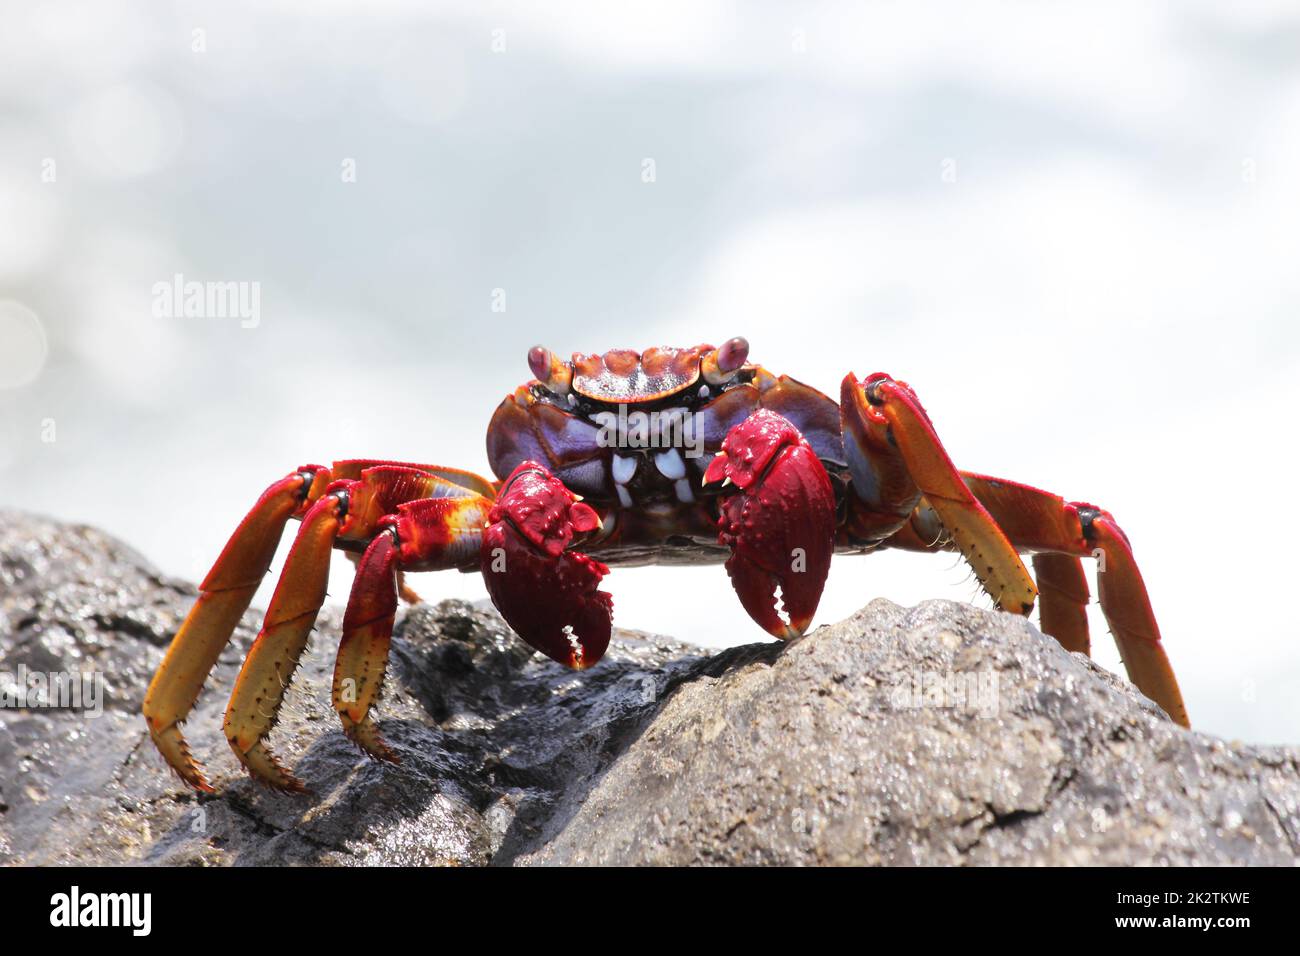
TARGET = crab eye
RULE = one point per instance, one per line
(549, 370)
(723, 363)
(539, 360)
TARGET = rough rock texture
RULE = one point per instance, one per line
(938, 734)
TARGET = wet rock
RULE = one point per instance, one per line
(938, 734)
(491, 736)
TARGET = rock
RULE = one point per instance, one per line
(940, 734)
(490, 734)
(937, 734)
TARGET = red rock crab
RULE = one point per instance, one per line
(669, 455)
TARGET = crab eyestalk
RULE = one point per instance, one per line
(721, 365)
(549, 369)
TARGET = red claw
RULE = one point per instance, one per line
(779, 521)
(546, 594)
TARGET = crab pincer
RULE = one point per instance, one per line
(778, 517)
(546, 593)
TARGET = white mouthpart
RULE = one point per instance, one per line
(683, 489)
(670, 464)
(624, 498)
(624, 469)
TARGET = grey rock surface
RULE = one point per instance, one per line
(937, 734)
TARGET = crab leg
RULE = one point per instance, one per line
(888, 414)
(272, 659)
(1059, 533)
(349, 509)
(426, 535)
(1040, 521)
(363, 650)
(1063, 600)
(224, 597)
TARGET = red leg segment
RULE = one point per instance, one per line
(427, 534)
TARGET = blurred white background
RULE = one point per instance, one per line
(1071, 227)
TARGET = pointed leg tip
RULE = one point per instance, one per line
(265, 768)
(289, 784)
(375, 748)
(175, 750)
(193, 777)
(365, 735)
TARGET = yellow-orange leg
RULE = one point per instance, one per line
(1060, 533)
(272, 659)
(224, 597)
(350, 509)
(893, 449)
(1063, 600)
(363, 650)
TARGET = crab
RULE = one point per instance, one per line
(677, 456)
